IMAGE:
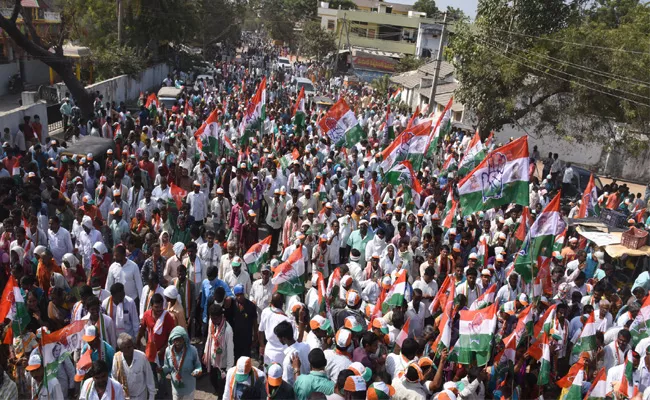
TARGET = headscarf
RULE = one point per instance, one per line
(100, 247)
(20, 252)
(166, 249)
(178, 249)
(57, 280)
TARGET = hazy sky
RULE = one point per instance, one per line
(468, 6)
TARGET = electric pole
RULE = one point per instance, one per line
(436, 73)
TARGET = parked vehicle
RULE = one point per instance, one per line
(15, 84)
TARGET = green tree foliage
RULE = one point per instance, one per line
(409, 63)
(456, 14)
(381, 85)
(316, 42)
(427, 6)
(343, 4)
(116, 60)
(556, 66)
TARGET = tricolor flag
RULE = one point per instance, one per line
(403, 334)
(322, 193)
(524, 224)
(450, 164)
(627, 387)
(286, 277)
(395, 97)
(207, 136)
(228, 148)
(440, 129)
(589, 206)
(598, 389)
(539, 240)
(413, 118)
(475, 331)
(446, 291)
(341, 125)
(475, 153)
(558, 243)
(152, 100)
(298, 110)
(13, 307)
(575, 389)
(524, 325)
(403, 174)
(178, 194)
(56, 346)
(485, 299)
(543, 277)
(257, 255)
(410, 145)
(255, 113)
(482, 250)
(569, 378)
(443, 341)
(587, 339)
(333, 283)
(397, 293)
(448, 220)
(640, 328)
(501, 178)
(541, 352)
(545, 322)
(389, 129)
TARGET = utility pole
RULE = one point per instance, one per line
(338, 48)
(119, 21)
(436, 73)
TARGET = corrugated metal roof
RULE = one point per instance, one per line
(445, 68)
(408, 79)
(29, 3)
(443, 94)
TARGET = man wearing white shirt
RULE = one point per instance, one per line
(284, 332)
(132, 370)
(162, 192)
(198, 203)
(209, 252)
(100, 381)
(428, 286)
(270, 345)
(396, 363)
(510, 291)
(125, 272)
(416, 313)
(122, 310)
(147, 204)
(59, 239)
(88, 237)
(236, 277)
(469, 288)
(261, 290)
(615, 351)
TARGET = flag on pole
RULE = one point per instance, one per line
(13, 307)
(58, 345)
(257, 255)
(178, 195)
(475, 153)
(397, 292)
(545, 322)
(298, 110)
(587, 339)
(448, 220)
(443, 341)
(395, 97)
(440, 129)
(403, 334)
(485, 299)
(539, 240)
(286, 277)
(627, 387)
(598, 389)
(255, 113)
(640, 328)
(410, 145)
(446, 291)
(341, 125)
(152, 100)
(450, 164)
(589, 206)
(389, 129)
(524, 225)
(575, 389)
(482, 250)
(569, 378)
(208, 134)
(558, 243)
(403, 174)
(413, 117)
(501, 178)
(541, 352)
(475, 333)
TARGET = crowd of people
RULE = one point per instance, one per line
(155, 248)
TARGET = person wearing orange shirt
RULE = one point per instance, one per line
(46, 266)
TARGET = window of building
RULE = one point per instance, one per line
(371, 33)
(330, 24)
(359, 31)
(458, 115)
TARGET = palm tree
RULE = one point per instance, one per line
(381, 85)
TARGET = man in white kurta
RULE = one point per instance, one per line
(125, 272)
(122, 310)
(136, 373)
(198, 203)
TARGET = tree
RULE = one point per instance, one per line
(343, 5)
(316, 42)
(554, 67)
(39, 48)
(409, 63)
(217, 21)
(427, 6)
(456, 14)
(381, 85)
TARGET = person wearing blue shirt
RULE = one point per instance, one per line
(100, 349)
(208, 288)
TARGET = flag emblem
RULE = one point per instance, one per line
(492, 179)
(475, 325)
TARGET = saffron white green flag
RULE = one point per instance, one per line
(476, 330)
(544, 374)
(257, 255)
(286, 277)
(207, 136)
(475, 153)
(403, 174)
(255, 113)
(341, 125)
(540, 238)
(58, 345)
(228, 148)
(501, 178)
(397, 293)
(298, 110)
(440, 129)
(598, 390)
(410, 145)
(13, 307)
(403, 334)
(587, 339)
(396, 96)
(575, 391)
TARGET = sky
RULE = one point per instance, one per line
(468, 6)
